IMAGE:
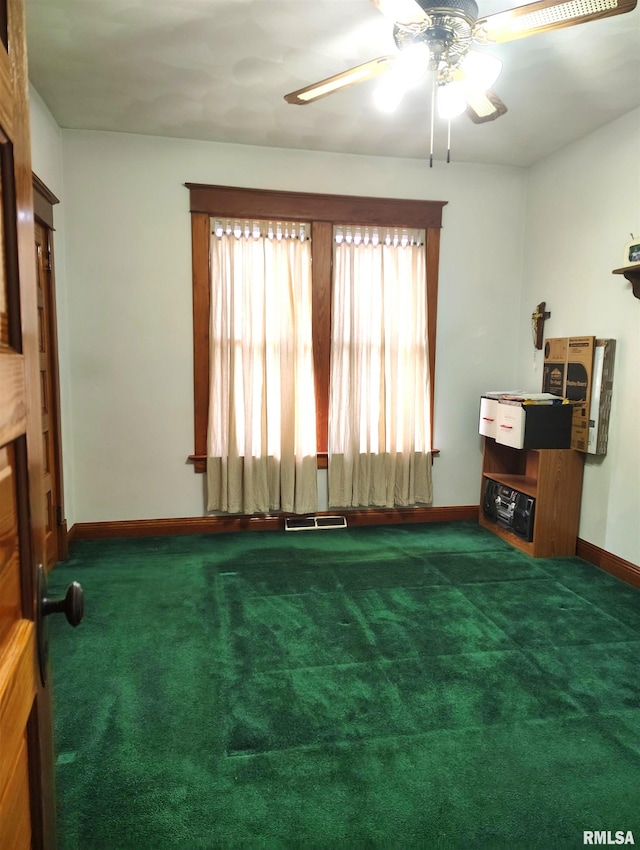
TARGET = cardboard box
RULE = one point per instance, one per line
(555, 366)
(573, 372)
(601, 391)
(579, 368)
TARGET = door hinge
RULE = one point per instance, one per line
(59, 517)
(47, 261)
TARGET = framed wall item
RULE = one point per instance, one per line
(632, 253)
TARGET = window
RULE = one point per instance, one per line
(323, 212)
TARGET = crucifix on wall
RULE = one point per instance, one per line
(538, 318)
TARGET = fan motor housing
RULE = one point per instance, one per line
(467, 8)
(447, 31)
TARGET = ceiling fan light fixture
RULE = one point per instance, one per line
(440, 34)
(452, 100)
(408, 71)
(480, 70)
(413, 63)
(388, 95)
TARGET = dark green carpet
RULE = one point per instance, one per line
(399, 687)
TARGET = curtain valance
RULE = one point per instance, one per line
(365, 235)
(256, 229)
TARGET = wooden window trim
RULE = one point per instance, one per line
(323, 211)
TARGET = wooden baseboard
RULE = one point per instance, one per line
(618, 567)
(71, 535)
(63, 540)
(271, 522)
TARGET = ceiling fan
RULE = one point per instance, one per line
(437, 36)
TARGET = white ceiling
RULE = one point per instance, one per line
(218, 69)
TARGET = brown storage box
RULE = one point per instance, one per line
(570, 376)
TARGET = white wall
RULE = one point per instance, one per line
(127, 230)
(46, 163)
(582, 205)
(511, 238)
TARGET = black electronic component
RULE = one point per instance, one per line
(509, 508)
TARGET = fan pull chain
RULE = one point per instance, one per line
(433, 111)
(449, 140)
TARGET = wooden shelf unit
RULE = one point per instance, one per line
(553, 477)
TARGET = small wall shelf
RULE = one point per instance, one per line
(632, 274)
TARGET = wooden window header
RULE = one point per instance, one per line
(349, 209)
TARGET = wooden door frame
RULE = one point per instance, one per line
(43, 203)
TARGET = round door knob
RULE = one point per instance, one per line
(72, 606)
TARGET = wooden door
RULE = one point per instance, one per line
(26, 753)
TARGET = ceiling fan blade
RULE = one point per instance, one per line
(401, 11)
(341, 81)
(484, 106)
(547, 15)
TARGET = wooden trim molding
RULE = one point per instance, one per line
(346, 209)
(268, 522)
(200, 238)
(321, 267)
(71, 533)
(44, 190)
(43, 202)
(608, 562)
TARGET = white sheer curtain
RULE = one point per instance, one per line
(262, 429)
(379, 410)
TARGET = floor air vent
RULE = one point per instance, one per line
(314, 523)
